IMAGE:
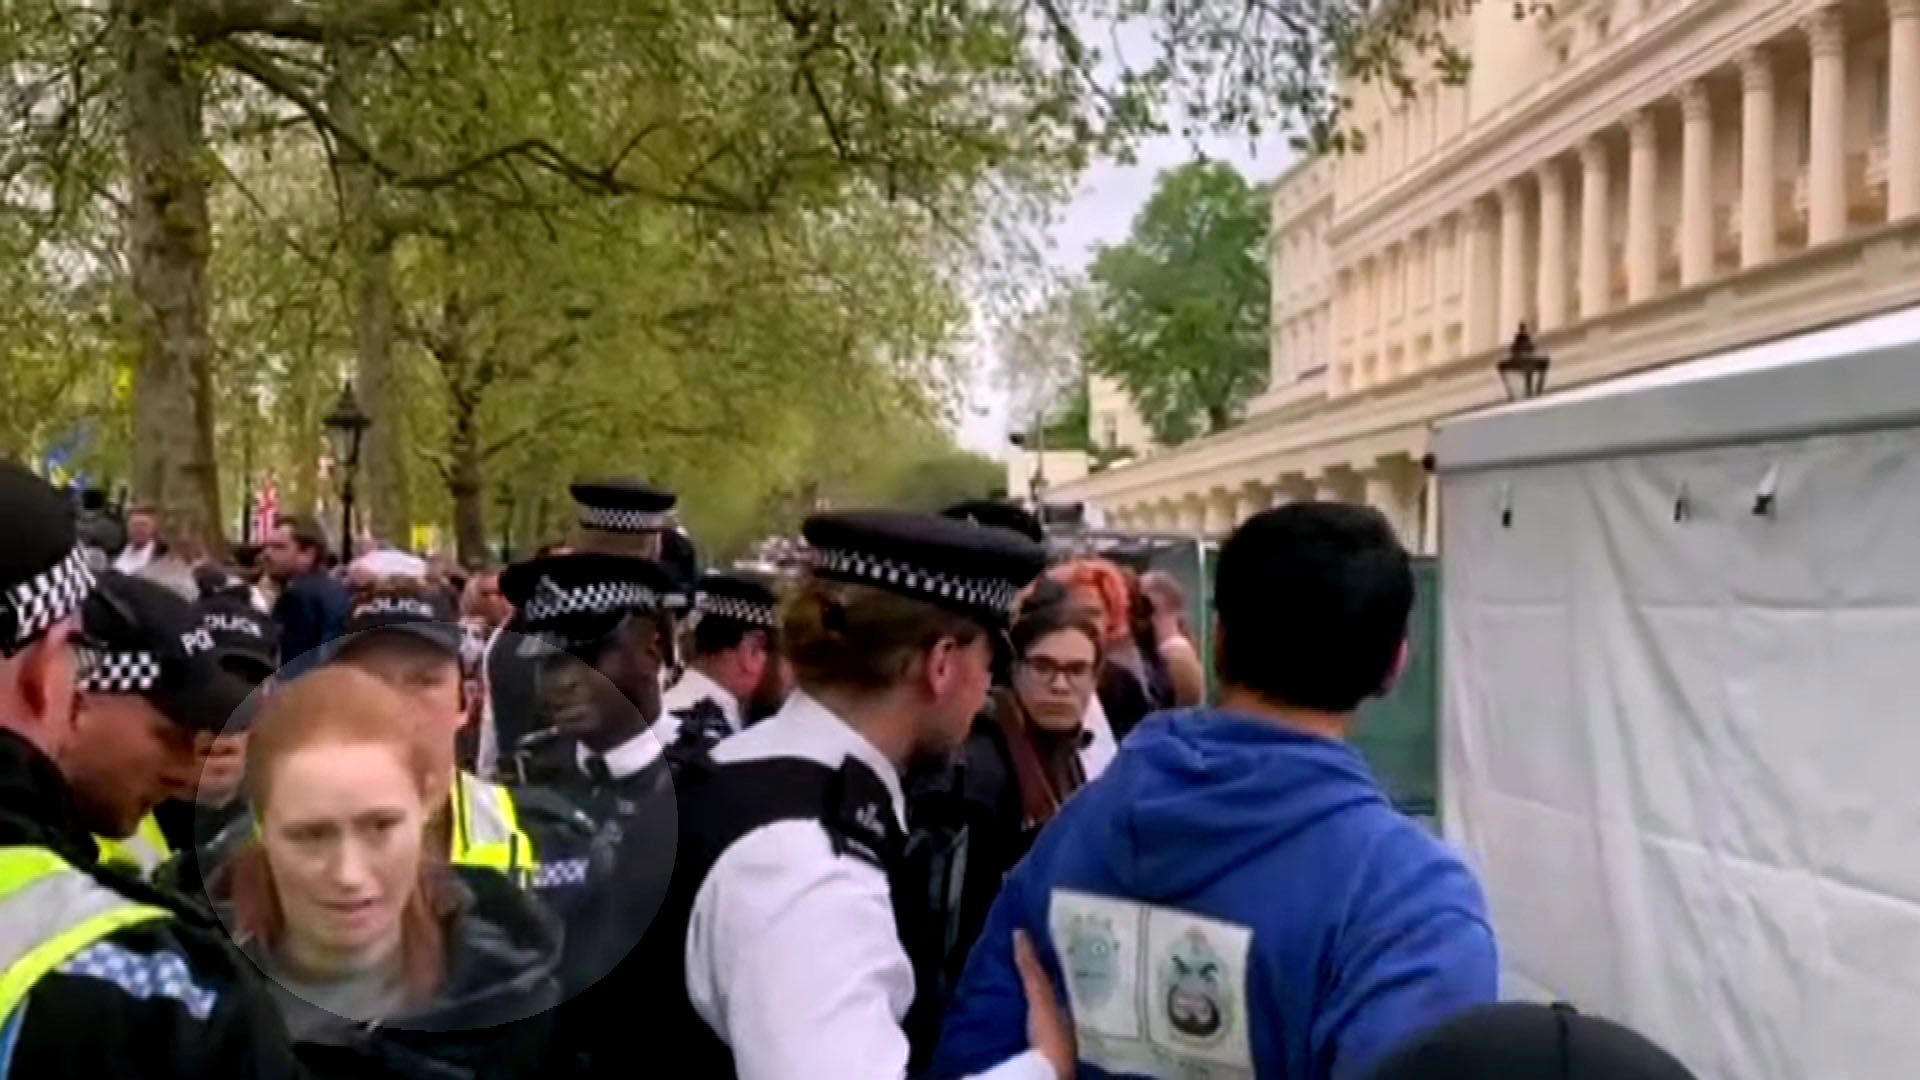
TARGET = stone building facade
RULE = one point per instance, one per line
(1638, 181)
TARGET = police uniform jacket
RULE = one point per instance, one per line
(162, 996)
(629, 792)
(756, 973)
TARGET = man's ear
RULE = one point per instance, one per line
(938, 665)
(1401, 660)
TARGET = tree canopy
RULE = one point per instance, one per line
(729, 245)
(1180, 309)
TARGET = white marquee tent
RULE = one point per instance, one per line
(1681, 698)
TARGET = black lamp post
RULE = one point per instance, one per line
(1523, 371)
(345, 426)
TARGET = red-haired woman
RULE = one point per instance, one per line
(384, 961)
(1128, 690)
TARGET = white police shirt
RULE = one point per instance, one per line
(694, 687)
(756, 969)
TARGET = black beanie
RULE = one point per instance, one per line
(1530, 1042)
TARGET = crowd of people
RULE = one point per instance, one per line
(926, 803)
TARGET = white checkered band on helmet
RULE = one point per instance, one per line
(615, 519)
(47, 597)
(981, 594)
(550, 601)
(108, 672)
(732, 607)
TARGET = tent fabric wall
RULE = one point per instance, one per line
(1684, 755)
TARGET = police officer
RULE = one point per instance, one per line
(794, 835)
(152, 699)
(734, 672)
(100, 975)
(607, 620)
(246, 644)
(623, 516)
(607, 625)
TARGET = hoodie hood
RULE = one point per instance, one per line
(1245, 784)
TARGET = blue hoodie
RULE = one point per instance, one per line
(1230, 899)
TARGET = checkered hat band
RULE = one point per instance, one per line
(980, 594)
(108, 672)
(550, 601)
(730, 607)
(47, 597)
(614, 519)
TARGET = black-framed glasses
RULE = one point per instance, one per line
(1047, 669)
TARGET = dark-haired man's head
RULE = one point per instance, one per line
(297, 546)
(1312, 601)
(743, 658)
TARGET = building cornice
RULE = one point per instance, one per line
(1866, 273)
(1681, 41)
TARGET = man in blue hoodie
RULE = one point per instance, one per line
(1236, 897)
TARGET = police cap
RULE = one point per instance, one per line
(245, 642)
(731, 596)
(140, 638)
(576, 598)
(1000, 512)
(972, 570)
(43, 573)
(623, 505)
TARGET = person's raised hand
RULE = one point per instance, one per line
(1049, 1028)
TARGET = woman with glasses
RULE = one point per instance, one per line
(1023, 759)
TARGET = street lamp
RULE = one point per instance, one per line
(1523, 371)
(345, 426)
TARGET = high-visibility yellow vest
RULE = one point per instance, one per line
(485, 829)
(48, 912)
(142, 853)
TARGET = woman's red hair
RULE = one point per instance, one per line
(1110, 582)
(336, 705)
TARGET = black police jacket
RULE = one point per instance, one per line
(158, 1000)
(718, 804)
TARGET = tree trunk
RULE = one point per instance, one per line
(467, 485)
(383, 451)
(169, 240)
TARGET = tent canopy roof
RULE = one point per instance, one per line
(1855, 376)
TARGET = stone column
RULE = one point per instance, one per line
(1513, 257)
(1392, 487)
(1436, 314)
(1408, 283)
(1218, 520)
(1696, 184)
(1903, 108)
(1643, 233)
(1758, 121)
(1253, 499)
(1827, 127)
(1596, 238)
(1550, 306)
(1478, 308)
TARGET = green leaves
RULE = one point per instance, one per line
(1182, 306)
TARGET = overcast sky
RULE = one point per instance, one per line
(1101, 213)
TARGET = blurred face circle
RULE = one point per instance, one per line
(1055, 679)
(342, 831)
(140, 530)
(125, 759)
